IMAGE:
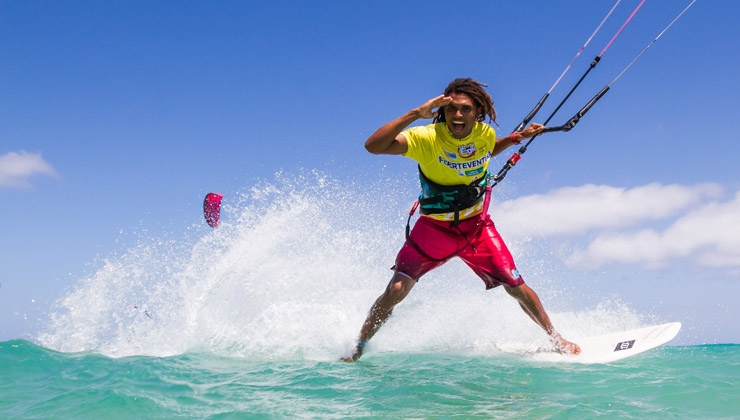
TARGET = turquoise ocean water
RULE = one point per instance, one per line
(698, 382)
(249, 320)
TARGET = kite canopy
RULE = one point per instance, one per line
(212, 209)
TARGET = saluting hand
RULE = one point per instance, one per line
(426, 110)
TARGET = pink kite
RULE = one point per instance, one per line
(212, 209)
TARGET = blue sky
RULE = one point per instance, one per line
(117, 117)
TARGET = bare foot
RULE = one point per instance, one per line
(564, 346)
(355, 355)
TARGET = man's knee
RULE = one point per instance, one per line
(397, 286)
(400, 285)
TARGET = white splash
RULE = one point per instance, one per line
(292, 272)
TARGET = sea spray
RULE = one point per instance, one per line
(293, 259)
(291, 273)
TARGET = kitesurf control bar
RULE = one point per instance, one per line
(515, 158)
(574, 120)
(537, 107)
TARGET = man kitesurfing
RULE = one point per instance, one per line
(453, 155)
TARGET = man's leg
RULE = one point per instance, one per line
(492, 262)
(532, 306)
(397, 289)
(437, 243)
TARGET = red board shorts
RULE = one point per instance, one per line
(483, 250)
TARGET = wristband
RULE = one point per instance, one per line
(513, 137)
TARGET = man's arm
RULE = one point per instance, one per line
(503, 143)
(387, 140)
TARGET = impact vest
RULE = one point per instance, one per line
(436, 198)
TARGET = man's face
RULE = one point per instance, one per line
(460, 115)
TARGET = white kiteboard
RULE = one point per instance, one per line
(612, 347)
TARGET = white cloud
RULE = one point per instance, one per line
(709, 235)
(577, 210)
(17, 168)
(648, 225)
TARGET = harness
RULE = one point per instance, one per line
(435, 199)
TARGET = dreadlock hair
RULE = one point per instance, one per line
(473, 89)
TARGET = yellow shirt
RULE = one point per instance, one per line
(446, 160)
